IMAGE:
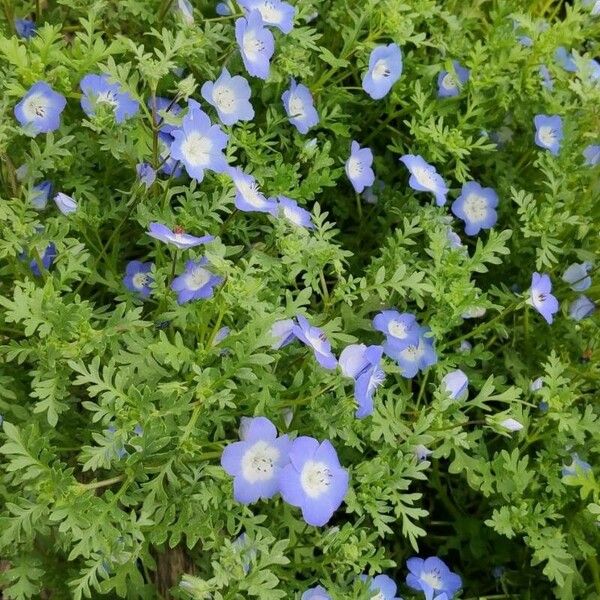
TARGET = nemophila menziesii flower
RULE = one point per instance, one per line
(223, 9)
(385, 68)
(248, 197)
(591, 154)
(316, 339)
(40, 108)
(169, 166)
(316, 593)
(230, 96)
(196, 282)
(415, 357)
(358, 167)
(46, 256)
(283, 333)
(450, 84)
(581, 308)
(25, 28)
(137, 277)
(257, 461)
(400, 329)
(541, 297)
(547, 80)
(65, 204)
(161, 108)
(456, 384)
(273, 12)
(511, 424)
(256, 44)
(146, 174)
(536, 384)
(432, 576)
(424, 177)
(576, 467)
(295, 214)
(548, 132)
(565, 59)
(178, 237)
(384, 586)
(362, 363)
(185, 10)
(99, 91)
(299, 106)
(577, 276)
(476, 206)
(40, 194)
(421, 452)
(314, 480)
(199, 144)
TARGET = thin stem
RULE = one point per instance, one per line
(38, 11)
(166, 5)
(324, 286)
(100, 484)
(592, 563)
(359, 207)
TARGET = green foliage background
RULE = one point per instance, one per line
(77, 352)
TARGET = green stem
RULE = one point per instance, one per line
(324, 286)
(165, 6)
(592, 563)
(100, 484)
(359, 207)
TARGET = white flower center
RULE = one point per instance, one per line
(196, 148)
(258, 464)
(397, 329)
(316, 340)
(225, 98)
(315, 478)
(269, 13)
(197, 278)
(475, 207)
(547, 135)
(296, 106)
(448, 82)
(292, 215)
(107, 97)
(251, 194)
(413, 353)
(140, 280)
(424, 177)
(381, 69)
(355, 167)
(433, 579)
(35, 107)
(252, 45)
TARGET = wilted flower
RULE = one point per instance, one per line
(25, 28)
(450, 84)
(385, 68)
(581, 308)
(178, 238)
(548, 132)
(577, 276)
(384, 586)
(432, 576)
(541, 297)
(98, 91)
(476, 207)
(295, 214)
(282, 332)
(40, 194)
(273, 12)
(511, 424)
(40, 108)
(137, 278)
(424, 177)
(230, 96)
(199, 144)
(315, 338)
(358, 167)
(456, 384)
(196, 282)
(316, 593)
(591, 154)
(256, 462)
(299, 106)
(577, 466)
(248, 197)
(145, 173)
(65, 203)
(256, 44)
(314, 480)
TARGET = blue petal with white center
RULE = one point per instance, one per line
(295, 214)
(40, 108)
(476, 207)
(456, 384)
(414, 357)
(230, 96)
(450, 83)
(316, 593)
(299, 106)
(548, 132)
(273, 12)
(256, 44)
(382, 586)
(316, 339)
(358, 167)
(541, 297)
(248, 197)
(99, 91)
(424, 177)
(65, 204)
(196, 282)
(432, 576)
(401, 329)
(282, 333)
(178, 238)
(137, 278)
(385, 68)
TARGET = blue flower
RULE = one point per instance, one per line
(591, 154)
(581, 308)
(169, 165)
(362, 364)
(421, 452)
(256, 44)
(548, 132)
(525, 40)
(161, 108)
(456, 384)
(577, 276)
(401, 329)
(576, 467)
(223, 9)
(273, 12)
(511, 424)
(248, 197)
(295, 214)
(40, 194)
(186, 11)
(453, 239)
(424, 177)
(385, 68)
(315, 338)
(358, 167)
(314, 480)
(196, 282)
(384, 586)
(25, 28)
(432, 576)
(46, 258)
(65, 203)
(547, 81)
(565, 59)
(146, 173)
(40, 108)
(299, 106)
(137, 278)
(415, 357)
(199, 144)
(178, 238)
(536, 384)
(98, 91)
(283, 333)
(256, 461)
(476, 207)
(594, 69)
(450, 84)
(316, 593)
(541, 297)
(230, 96)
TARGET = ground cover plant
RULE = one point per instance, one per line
(297, 300)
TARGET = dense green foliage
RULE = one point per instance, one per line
(79, 352)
